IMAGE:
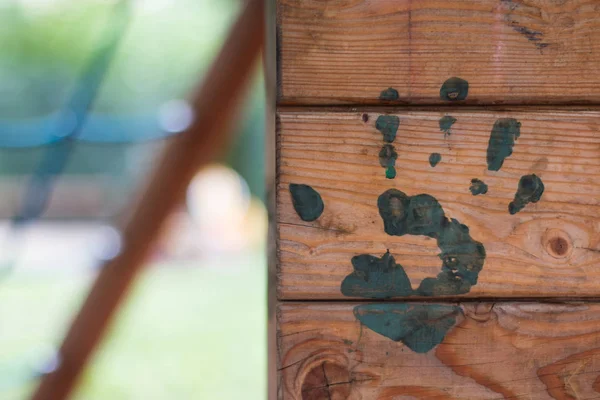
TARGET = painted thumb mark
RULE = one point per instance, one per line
(306, 201)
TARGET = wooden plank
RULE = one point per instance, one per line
(488, 351)
(549, 248)
(509, 51)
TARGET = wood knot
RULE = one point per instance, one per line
(559, 246)
(326, 380)
(557, 243)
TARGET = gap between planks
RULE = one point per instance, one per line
(503, 299)
(391, 108)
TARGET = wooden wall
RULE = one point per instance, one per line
(493, 351)
(549, 248)
(437, 199)
(509, 51)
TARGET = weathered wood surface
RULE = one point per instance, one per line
(510, 51)
(494, 351)
(550, 248)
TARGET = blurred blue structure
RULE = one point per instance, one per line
(93, 128)
(73, 123)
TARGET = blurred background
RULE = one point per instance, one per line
(195, 325)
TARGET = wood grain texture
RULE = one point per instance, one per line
(510, 51)
(495, 351)
(550, 248)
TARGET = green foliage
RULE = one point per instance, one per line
(184, 333)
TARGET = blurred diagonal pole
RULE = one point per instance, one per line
(203, 142)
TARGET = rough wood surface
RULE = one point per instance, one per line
(550, 248)
(494, 351)
(510, 51)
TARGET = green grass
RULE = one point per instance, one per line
(185, 333)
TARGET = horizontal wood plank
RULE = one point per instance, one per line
(509, 51)
(549, 248)
(488, 351)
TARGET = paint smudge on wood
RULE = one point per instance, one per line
(534, 37)
(462, 257)
(390, 172)
(420, 327)
(388, 126)
(307, 202)
(446, 123)
(387, 159)
(511, 20)
(434, 159)
(389, 94)
(502, 140)
(387, 156)
(478, 187)
(454, 89)
(376, 278)
(530, 190)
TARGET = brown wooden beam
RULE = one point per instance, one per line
(203, 142)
